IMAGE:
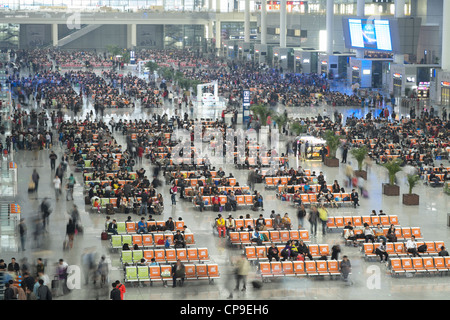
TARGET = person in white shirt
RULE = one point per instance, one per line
(411, 246)
(57, 185)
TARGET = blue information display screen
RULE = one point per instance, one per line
(370, 34)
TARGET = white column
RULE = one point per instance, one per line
(133, 35)
(360, 12)
(217, 5)
(263, 23)
(330, 26)
(399, 13)
(445, 59)
(55, 34)
(218, 35)
(400, 8)
(283, 31)
(247, 21)
(210, 5)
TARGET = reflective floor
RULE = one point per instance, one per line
(370, 279)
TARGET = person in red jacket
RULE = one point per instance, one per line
(121, 288)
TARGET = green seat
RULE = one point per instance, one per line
(126, 238)
(127, 257)
(121, 228)
(116, 241)
(104, 202)
(143, 273)
(131, 274)
(137, 255)
(87, 163)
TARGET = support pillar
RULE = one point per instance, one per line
(55, 34)
(131, 35)
(399, 13)
(218, 35)
(283, 11)
(247, 21)
(330, 26)
(263, 23)
(360, 13)
(445, 57)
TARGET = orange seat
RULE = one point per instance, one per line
(182, 254)
(288, 268)
(213, 271)
(311, 268)
(171, 255)
(192, 254)
(148, 254)
(265, 269)
(299, 268)
(322, 267)
(190, 271)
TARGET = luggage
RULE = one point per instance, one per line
(31, 186)
(87, 201)
(109, 208)
(66, 244)
(227, 206)
(104, 235)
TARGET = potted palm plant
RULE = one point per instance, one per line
(262, 111)
(297, 128)
(333, 142)
(281, 120)
(393, 167)
(411, 199)
(360, 155)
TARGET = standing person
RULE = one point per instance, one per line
(178, 272)
(115, 293)
(103, 271)
(344, 154)
(121, 288)
(70, 185)
(345, 267)
(35, 178)
(53, 158)
(45, 211)
(335, 250)
(301, 213)
(70, 232)
(173, 193)
(313, 217)
(43, 291)
(242, 270)
(57, 185)
(61, 271)
(323, 216)
(22, 233)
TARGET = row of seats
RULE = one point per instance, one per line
(244, 190)
(258, 253)
(165, 255)
(130, 227)
(312, 198)
(415, 265)
(148, 240)
(102, 202)
(271, 182)
(299, 268)
(398, 249)
(402, 234)
(161, 273)
(193, 182)
(241, 200)
(359, 221)
(274, 236)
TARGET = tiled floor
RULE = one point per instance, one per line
(371, 280)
